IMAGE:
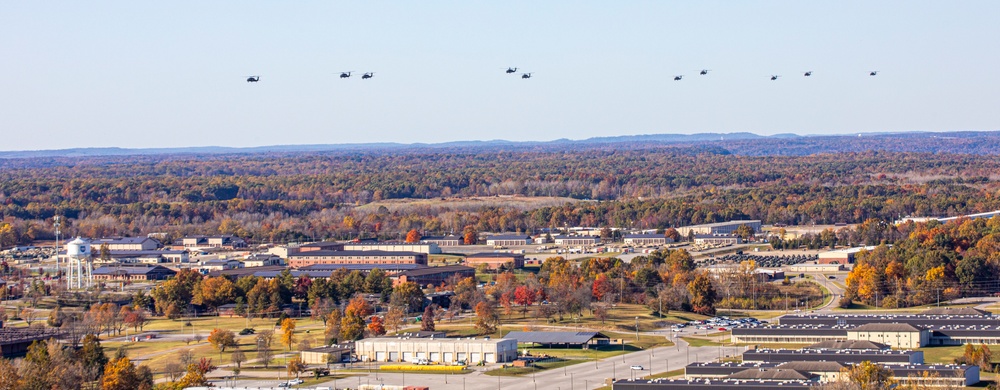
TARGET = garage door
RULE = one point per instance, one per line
(449, 357)
(380, 356)
(461, 356)
(393, 356)
(421, 355)
(476, 358)
(435, 357)
(407, 356)
(491, 357)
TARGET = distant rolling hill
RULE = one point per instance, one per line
(741, 143)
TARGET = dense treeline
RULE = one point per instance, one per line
(293, 196)
(930, 263)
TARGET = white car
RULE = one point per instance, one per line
(638, 368)
(296, 381)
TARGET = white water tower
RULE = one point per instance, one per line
(80, 273)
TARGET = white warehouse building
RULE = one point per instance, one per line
(436, 350)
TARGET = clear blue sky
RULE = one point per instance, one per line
(171, 73)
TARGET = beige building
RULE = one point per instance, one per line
(437, 350)
(426, 248)
(326, 355)
(125, 243)
(896, 335)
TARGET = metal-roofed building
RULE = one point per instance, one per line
(719, 227)
(779, 374)
(133, 272)
(935, 374)
(425, 248)
(437, 350)
(646, 239)
(302, 259)
(443, 240)
(721, 370)
(125, 243)
(708, 384)
(224, 241)
(435, 275)
(788, 333)
(560, 339)
(14, 342)
(576, 240)
(841, 356)
(848, 344)
(334, 353)
(508, 240)
(495, 260)
(955, 311)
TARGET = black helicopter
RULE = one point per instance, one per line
(873, 73)
(526, 75)
(774, 77)
(367, 75)
(511, 70)
(253, 79)
(345, 75)
(678, 77)
(704, 71)
(808, 73)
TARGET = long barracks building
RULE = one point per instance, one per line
(935, 327)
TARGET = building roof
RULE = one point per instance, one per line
(644, 235)
(887, 327)
(131, 269)
(664, 383)
(321, 244)
(727, 236)
(509, 237)
(554, 337)
(352, 253)
(773, 373)
(821, 366)
(493, 254)
(571, 237)
(438, 270)
(120, 240)
(956, 311)
(219, 262)
(848, 344)
(440, 238)
(332, 348)
(362, 267)
(729, 223)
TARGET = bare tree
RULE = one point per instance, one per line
(173, 370)
(239, 357)
(186, 358)
(29, 315)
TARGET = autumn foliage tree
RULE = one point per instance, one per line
(427, 320)
(487, 319)
(222, 339)
(288, 332)
(352, 324)
(413, 236)
(703, 294)
(524, 296)
(376, 326)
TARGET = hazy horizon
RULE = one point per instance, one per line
(129, 75)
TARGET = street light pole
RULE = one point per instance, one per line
(637, 329)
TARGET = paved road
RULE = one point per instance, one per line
(579, 376)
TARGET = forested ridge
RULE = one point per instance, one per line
(288, 196)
